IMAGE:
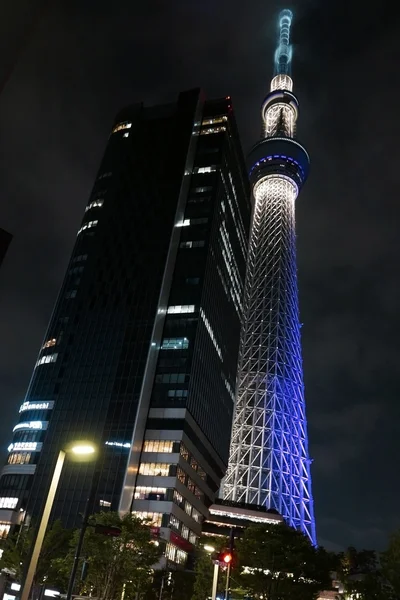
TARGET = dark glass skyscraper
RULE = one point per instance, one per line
(145, 329)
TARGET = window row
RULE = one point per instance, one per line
(87, 225)
(184, 452)
(71, 294)
(19, 458)
(209, 169)
(175, 343)
(184, 478)
(97, 202)
(154, 469)
(158, 445)
(175, 554)
(179, 309)
(150, 493)
(121, 126)
(184, 531)
(49, 358)
(212, 130)
(187, 507)
(50, 343)
(153, 518)
(213, 121)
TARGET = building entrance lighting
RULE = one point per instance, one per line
(85, 450)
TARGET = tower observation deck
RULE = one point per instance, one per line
(269, 462)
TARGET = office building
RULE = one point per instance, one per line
(269, 464)
(145, 329)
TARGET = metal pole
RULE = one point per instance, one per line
(215, 582)
(82, 532)
(228, 581)
(42, 527)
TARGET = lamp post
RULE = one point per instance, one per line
(80, 450)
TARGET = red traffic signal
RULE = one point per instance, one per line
(223, 558)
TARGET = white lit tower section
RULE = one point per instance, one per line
(269, 463)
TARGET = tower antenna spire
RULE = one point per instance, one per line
(283, 52)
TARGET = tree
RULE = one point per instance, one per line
(114, 563)
(360, 573)
(279, 563)
(17, 550)
(204, 567)
(390, 561)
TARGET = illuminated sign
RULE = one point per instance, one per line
(119, 444)
(36, 406)
(31, 425)
(25, 446)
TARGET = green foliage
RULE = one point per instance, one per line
(390, 562)
(114, 562)
(361, 575)
(17, 547)
(204, 567)
(279, 563)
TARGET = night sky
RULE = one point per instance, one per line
(63, 77)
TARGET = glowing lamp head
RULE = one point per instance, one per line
(82, 449)
(208, 548)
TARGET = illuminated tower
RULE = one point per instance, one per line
(269, 463)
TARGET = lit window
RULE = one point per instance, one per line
(193, 244)
(175, 344)
(153, 517)
(193, 538)
(181, 475)
(70, 294)
(188, 508)
(185, 532)
(87, 225)
(149, 493)
(184, 223)
(105, 503)
(178, 498)
(212, 130)
(105, 175)
(49, 358)
(174, 522)
(196, 515)
(184, 452)
(50, 343)
(178, 308)
(158, 446)
(19, 458)
(7, 502)
(125, 135)
(4, 529)
(154, 469)
(170, 552)
(209, 169)
(202, 189)
(181, 557)
(94, 204)
(121, 126)
(221, 119)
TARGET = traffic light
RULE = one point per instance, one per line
(223, 558)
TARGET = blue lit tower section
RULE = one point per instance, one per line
(269, 462)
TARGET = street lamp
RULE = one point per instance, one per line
(80, 451)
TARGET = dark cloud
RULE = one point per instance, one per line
(69, 68)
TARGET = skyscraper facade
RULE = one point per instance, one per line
(269, 461)
(145, 329)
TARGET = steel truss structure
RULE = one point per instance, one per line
(269, 462)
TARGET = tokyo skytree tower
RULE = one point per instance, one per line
(269, 463)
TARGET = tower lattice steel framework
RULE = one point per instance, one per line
(269, 462)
